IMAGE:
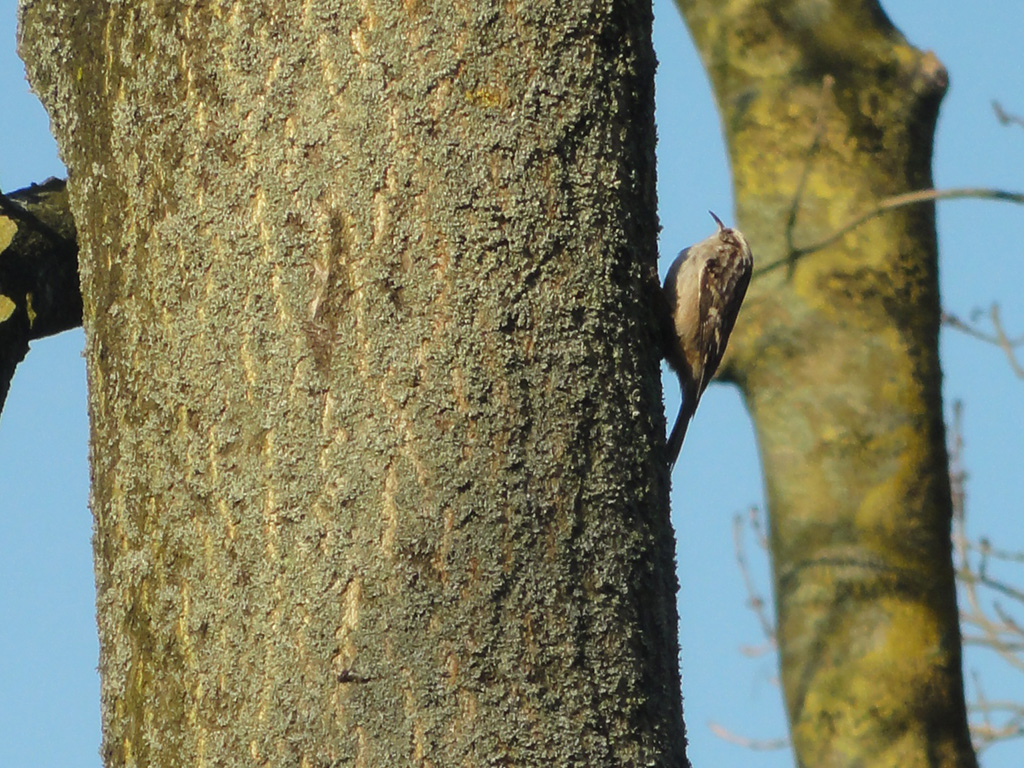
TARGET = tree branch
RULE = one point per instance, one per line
(889, 204)
(39, 292)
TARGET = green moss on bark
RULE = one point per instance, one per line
(827, 110)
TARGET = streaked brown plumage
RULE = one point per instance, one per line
(704, 287)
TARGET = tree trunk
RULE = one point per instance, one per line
(373, 379)
(827, 110)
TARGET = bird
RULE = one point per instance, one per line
(704, 289)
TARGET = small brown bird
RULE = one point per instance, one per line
(704, 287)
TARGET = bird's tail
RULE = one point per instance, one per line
(675, 440)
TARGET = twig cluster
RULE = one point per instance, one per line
(998, 337)
(988, 605)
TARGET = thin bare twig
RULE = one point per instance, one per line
(972, 577)
(827, 84)
(994, 553)
(1005, 343)
(983, 641)
(992, 626)
(912, 198)
(980, 698)
(761, 745)
(755, 601)
(890, 204)
(998, 338)
(1011, 624)
(1004, 117)
(986, 733)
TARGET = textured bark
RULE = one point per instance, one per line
(373, 381)
(39, 293)
(826, 110)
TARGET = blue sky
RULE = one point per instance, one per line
(49, 692)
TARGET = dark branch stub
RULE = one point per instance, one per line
(39, 291)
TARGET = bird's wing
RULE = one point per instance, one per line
(722, 288)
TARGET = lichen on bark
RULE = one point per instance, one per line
(373, 379)
(827, 110)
